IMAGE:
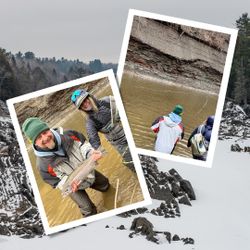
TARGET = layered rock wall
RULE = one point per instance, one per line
(176, 53)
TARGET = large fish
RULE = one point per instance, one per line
(79, 174)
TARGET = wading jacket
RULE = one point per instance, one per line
(103, 120)
(169, 132)
(56, 165)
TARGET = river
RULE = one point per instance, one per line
(144, 100)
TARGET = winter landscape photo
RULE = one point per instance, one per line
(45, 43)
(182, 70)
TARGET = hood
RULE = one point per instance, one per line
(169, 122)
(175, 118)
(210, 121)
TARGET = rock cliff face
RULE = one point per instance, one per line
(177, 54)
(18, 211)
(234, 123)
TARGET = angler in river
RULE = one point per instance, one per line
(103, 116)
(58, 154)
(169, 130)
(199, 140)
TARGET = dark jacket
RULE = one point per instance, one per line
(99, 121)
(47, 164)
(206, 131)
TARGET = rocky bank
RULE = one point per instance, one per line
(192, 58)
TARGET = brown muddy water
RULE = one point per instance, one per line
(59, 210)
(145, 100)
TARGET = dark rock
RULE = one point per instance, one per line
(142, 225)
(153, 211)
(175, 174)
(175, 189)
(107, 226)
(151, 237)
(184, 200)
(4, 230)
(162, 206)
(187, 187)
(168, 236)
(142, 210)
(121, 227)
(188, 241)
(176, 238)
(131, 235)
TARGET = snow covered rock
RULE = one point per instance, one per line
(18, 210)
(234, 122)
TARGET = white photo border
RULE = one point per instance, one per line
(223, 89)
(112, 81)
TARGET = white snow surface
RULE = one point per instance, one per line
(219, 219)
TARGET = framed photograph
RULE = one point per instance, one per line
(173, 75)
(79, 152)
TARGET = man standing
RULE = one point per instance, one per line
(169, 130)
(58, 154)
(103, 117)
(199, 140)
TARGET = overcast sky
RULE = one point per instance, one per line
(85, 30)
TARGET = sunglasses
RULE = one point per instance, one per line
(75, 95)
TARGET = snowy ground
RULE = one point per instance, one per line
(219, 218)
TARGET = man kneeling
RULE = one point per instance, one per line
(58, 154)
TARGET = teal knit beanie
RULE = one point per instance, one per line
(32, 127)
(178, 109)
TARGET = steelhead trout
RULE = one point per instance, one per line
(80, 174)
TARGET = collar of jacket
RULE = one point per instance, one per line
(175, 118)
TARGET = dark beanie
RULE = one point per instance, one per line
(32, 127)
(178, 109)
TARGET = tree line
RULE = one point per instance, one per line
(239, 83)
(22, 73)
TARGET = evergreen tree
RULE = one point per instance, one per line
(239, 83)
